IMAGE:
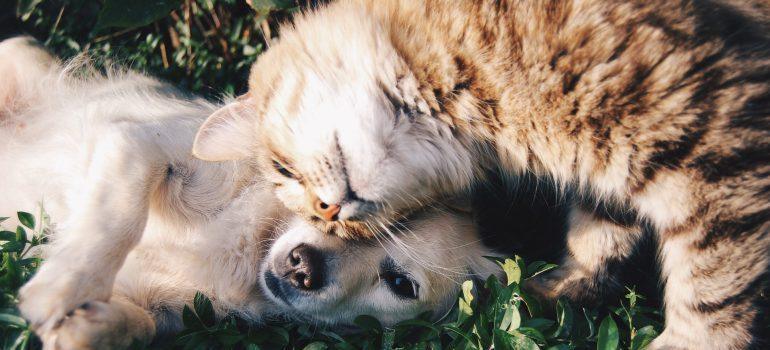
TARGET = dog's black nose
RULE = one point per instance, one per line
(305, 268)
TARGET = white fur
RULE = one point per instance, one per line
(140, 225)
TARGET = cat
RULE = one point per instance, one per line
(139, 225)
(364, 111)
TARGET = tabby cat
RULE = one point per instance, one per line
(366, 111)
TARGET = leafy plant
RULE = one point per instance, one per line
(205, 46)
(18, 264)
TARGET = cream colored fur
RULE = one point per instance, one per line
(140, 225)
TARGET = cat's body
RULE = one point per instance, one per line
(658, 108)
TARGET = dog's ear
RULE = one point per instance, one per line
(23, 64)
(227, 134)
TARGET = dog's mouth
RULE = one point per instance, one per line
(277, 288)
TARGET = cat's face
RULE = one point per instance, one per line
(347, 142)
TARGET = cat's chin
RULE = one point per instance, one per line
(348, 229)
(374, 225)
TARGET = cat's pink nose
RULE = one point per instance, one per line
(328, 212)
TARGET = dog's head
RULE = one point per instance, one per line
(325, 280)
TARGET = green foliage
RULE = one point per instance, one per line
(205, 46)
(17, 265)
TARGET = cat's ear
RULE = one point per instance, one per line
(24, 63)
(227, 134)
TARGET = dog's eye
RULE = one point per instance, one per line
(283, 170)
(400, 284)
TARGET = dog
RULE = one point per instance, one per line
(139, 225)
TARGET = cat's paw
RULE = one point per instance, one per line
(97, 325)
(52, 293)
(549, 287)
(666, 342)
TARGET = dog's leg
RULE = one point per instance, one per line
(106, 223)
(596, 247)
(117, 324)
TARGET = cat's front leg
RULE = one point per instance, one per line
(106, 222)
(714, 285)
(597, 246)
(117, 324)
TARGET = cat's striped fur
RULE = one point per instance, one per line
(660, 108)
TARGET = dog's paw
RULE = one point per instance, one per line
(97, 325)
(51, 294)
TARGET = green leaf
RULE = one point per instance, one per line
(132, 14)
(513, 341)
(30, 262)
(229, 337)
(590, 316)
(190, 319)
(467, 291)
(503, 340)
(511, 319)
(417, 323)
(317, 345)
(564, 317)
(533, 305)
(204, 309)
(22, 341)
(558, 347)
(540, 324)
(279, 336)
(608, 338)
(13, 246)
(7, 236)
(533, 334)
(264, 7)
(539, 267)
(465, 311)
(21, 235)
(388, 338)
(369, 323)
(24, 8)
(26, 219)
(512, 271)
(13, 320)
(644, 336)
(3, 218)
(12, 271)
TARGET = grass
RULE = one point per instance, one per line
(203, 46)
(207, 47)
(495, 314)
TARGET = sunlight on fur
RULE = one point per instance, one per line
(140, 225)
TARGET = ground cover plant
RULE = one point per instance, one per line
(207, 47)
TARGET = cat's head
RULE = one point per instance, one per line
(338, 122)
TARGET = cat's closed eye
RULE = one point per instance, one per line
(284, 170)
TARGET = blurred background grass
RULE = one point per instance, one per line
(203, 46)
